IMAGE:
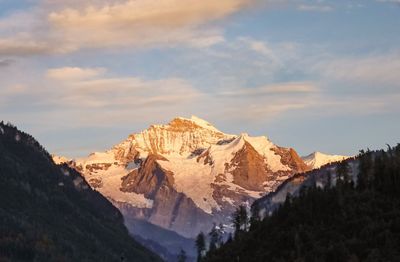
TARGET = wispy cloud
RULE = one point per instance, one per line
(74, 73)
(266, 101)
(290, 88)
(90, 88)
(24, 46)
(9, 92)
(6, 62)
(66, 26)
(86, 89)
(315, 8)
(389, 1)
(96, 97)
(372, 69)
(128, 92)
(263, 49)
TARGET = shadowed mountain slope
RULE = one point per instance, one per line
(49, 213)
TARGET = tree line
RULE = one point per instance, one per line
(357, 218)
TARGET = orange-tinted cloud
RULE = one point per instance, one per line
(67, 26)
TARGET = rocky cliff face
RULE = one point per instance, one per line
(187, 174)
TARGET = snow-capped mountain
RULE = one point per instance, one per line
(318, 159)
(60, 159)
(185, 175)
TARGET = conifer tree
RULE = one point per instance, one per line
(364, 175)
(342, 170)
(201, 246)
(240, 219)
(215, 237)
(182, 256)
(329, 179)
(255, 215)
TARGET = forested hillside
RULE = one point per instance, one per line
(355, 220)
(49, 213)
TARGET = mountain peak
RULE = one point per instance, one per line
(244, 135)
(318, 159)
(180, 136)
(193, 120)
(317, 153)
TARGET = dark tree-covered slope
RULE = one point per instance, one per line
(49, 213)
(346, 222)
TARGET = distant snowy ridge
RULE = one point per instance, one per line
(318, 159)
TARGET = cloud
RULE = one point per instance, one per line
(265, 101)
(277, 54)
(74, 73)
(6, 62)
(20, 46)
(75, 88)
(25, 33)
(290, 88)
(266, 109)
(160, 14)
(242, 61)
(93, 104)
(389, 1)
(373, 69)
(128, 92)
(94, 97)
(89, 88)
(357, 105)
(141, 22)
(13, 90)
(315, 8)
(262, 48)
(67, 26)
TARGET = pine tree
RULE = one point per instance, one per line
(182, 256)
(230, 239)
(364, 175)
(255, 215)
(221, 233)
(240, 220)
(342, 171)
(215, 238)
(329, 179)
(201, 246)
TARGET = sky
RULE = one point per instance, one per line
(315, 75)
